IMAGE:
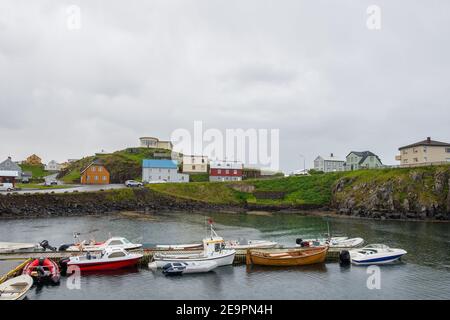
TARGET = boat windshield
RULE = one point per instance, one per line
(126, 241)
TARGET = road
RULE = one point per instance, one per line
(78, 188)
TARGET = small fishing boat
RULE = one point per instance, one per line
(375, 254)
(114, 242)
(109, 259)
(179, 268)
(43, 270)
(335, 242)
(213, 250)
(297, 257)
(249, 244)
(16, 288)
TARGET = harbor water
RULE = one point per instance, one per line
(424, 273)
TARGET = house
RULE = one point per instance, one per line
(162, 170)
(9, 176)
(152, 142)
(9, 165)
(424, 152)
(53, 166)
(329, 164)
(33, 160)
(225, 171)
(362, 160)
(195, 164)
(95, 173)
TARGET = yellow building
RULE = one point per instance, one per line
(424, 152)
(152, 142)
(33, 160)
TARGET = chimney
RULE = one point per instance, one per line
(332, 155)
(9, 158)
(428, 139)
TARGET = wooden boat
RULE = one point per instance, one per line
(16, 288)
(287, 258)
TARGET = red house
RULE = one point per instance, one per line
(225, 171)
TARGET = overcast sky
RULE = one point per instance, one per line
(311, 68)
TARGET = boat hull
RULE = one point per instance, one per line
(376, 260)
(107, 265)
(283, 259)
(221, 260)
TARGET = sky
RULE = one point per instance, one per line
(73, 83)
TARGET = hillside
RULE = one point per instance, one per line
(417, 193)
(122, 165)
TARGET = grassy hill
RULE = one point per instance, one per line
(122, 165)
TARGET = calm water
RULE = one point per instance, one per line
(423, 274)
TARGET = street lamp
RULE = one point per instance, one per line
(304, 163)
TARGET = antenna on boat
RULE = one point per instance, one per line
(328, 227)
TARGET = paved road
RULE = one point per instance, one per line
(79, 188)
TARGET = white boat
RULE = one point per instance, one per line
(114, 242)
(177, 268)
(334, 242)
(375, 254)
(249, 244)
(9, 247)
(213, 250)
(16, 288)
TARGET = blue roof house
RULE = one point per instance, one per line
(160, 171)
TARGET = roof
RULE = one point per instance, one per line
(364, 155)
(9, 173)
(95, 162)
(426, 142)
(156, 163)
(8, 164)
(226, 165)
(330, 158)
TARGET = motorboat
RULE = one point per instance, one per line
(179, 268)
(92, 245)
(108, 259)
(334, 242)
(20, 247)
(16, 288)
(213, 250)
(43, 270)
(297, 257)
(180, 247)
(375, 254)
(249, 244)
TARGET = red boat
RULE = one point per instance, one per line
(43, 270)
(109, 259)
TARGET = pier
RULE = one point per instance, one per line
(24, 257)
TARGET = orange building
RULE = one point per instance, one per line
(95, 173)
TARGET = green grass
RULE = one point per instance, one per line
(36, 170)
(39, 186)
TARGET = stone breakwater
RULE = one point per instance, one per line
(110, 201)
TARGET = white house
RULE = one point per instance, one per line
(162, 170)
(195, 164)
(362, 160)
(53, 166)
(329, 163)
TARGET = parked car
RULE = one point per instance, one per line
(50, 183)
(5, 186)
(133, 183)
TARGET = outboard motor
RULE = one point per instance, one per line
(63, 263)
(299, 241)
(44, 244)
(64, 247)
(344, 258)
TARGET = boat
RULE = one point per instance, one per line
(114, 242)
(375, 254)
(19, 247)
(16, 288)
(180, 247)
(249, 244)
(213, 250)
(43, 270)
(296, 257)
(179, 268)
(108, 259)
(334, 242)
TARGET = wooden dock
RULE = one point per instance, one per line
(25, 257)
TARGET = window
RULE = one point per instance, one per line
(405, 161)
(193, 167)
(93, 169)
(447, 150)
(235, 171)
(424, 149)
(115, 243)
(96, 178)
(219, 171)
(227, 171)
(100, 169)
(88, 178)
(117, 255)
(104, 178)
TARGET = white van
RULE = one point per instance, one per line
(6, 186)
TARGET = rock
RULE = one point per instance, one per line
(416, 176)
